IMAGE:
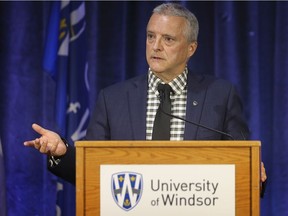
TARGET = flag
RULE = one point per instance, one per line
(2, 184)
(65, 59)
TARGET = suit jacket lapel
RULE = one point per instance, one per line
(195, 101)
(137, 102)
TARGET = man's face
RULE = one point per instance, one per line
(167, 48)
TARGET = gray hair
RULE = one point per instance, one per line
(173, 9)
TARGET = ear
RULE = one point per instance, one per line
(192, 48)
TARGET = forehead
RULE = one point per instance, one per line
(163, 24)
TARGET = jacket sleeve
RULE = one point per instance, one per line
(64, 167)
(235, 124)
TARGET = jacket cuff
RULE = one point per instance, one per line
(54, 161)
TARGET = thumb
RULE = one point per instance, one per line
(40, 130)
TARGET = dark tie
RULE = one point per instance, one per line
(161, 128)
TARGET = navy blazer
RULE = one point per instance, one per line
(120, 114)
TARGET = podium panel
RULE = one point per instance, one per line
(244, 155)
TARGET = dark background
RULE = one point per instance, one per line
(244, 42)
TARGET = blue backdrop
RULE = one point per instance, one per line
(244, 42)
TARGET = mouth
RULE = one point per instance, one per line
(156, 58)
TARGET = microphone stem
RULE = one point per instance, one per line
(199, 125)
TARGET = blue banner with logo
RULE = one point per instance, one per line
(65, 60)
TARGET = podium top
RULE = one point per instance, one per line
(186, 143)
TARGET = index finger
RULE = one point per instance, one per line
(29, 143)
(40, 130)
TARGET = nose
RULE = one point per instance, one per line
(157, 46)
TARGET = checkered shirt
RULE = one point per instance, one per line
(178, 103)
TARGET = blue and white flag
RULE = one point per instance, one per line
(65, 59)
(2, 184)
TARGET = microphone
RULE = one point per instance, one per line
(190, 122)
(199, 125)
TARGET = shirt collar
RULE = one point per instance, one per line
(178, 84)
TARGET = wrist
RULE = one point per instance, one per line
(55, 160)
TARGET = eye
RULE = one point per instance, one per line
(150, 36)
(169, 40)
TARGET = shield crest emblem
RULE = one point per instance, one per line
(127, 189)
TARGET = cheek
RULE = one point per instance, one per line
(175, 54)
(148, 48)
(180, 53)
(147, 52)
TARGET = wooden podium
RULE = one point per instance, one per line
(245, 155)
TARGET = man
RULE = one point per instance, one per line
(126, 111)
